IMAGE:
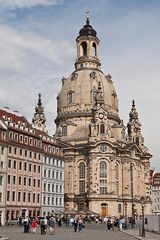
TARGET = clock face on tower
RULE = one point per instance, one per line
(101, 115)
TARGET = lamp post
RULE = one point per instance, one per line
(142, 200)
(125, 210)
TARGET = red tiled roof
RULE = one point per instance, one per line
(15, 118)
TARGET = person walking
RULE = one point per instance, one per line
(75, 224)
(80, 224)
(34, 226)
(42, 222)
(52, 225)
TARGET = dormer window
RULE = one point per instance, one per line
(64, 131)
(70, 97)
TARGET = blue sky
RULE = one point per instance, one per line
(37, 46)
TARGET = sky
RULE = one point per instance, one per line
(38, 48)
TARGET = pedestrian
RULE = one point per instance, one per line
(42, 222)
(34, 226)
(26, 225)
(75, 224)
(120, 223)
(52, 225)
(80, 224)
(45, 224)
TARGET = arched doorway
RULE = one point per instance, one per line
(104, 209)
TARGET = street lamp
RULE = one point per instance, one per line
(125, 210)
(142, 200)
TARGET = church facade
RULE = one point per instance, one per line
(106, 164)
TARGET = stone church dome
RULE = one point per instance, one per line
(79, 94)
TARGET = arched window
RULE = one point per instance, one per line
(82, 178)
(70, 97)
(94, 50)
(82, 170)
(119, 208)
(64, 130)
(102, 128)
(103, 177)
(84, 48)
(103, 169)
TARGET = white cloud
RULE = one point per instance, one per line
(20, 50)
(13, 4)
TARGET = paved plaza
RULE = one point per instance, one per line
(91, 232)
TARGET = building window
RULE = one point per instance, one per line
(103, 147)
(52, 187)
(56, 175)
(24, 181)
(14, 179)
(48, 187)
(102, 128)
(24, 197)
(38, 198)
(56, 201)
(25, 166)
(15, 151)
(60, 176)
(20, 180)
(82, 178)
(19, 196)
(0, 197)
(13, 196)
(84, 48)
(29, 197)
(1, 180)
(34, 168)
(44, 172)
(34, 197)
(56, 188)
(10, 149)
(103, 186)
(119, 208)
(20, 152)
(29, 182)
(30, 154)
(48, 200)
(38, 183)
(103, 170)
(70, 97)
(34, 182)
(64, 131)
(9, 179)
(39, 169)
(52, 200)
(82, 170)
(8, 195)
(2, 150)
(81, 186)
(103, 177)
(44, 200)
(20, 165)
(44, 187)
(9, 163)
(30, 167)
(14, 164)
(49, 174)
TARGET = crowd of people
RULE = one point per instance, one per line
(77, 222)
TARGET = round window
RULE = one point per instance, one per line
(103, 147)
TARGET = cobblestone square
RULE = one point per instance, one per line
(91, 232)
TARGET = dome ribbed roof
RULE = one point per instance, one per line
(87, 30)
